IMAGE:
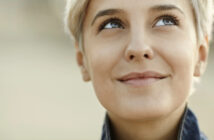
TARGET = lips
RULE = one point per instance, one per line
(142, 79)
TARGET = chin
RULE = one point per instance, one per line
(147, 114)
(143, 111)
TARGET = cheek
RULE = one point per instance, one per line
(101, 64)
(182, 61)
(178, 50)
(102, 58)
(180, 57)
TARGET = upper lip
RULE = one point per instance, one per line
(138, 75)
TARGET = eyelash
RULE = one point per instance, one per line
(110, 20)
(170, 17)
(119, 22)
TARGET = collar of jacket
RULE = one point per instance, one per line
(188, 129)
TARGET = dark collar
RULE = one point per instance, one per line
(188, 129)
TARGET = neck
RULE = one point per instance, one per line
(165, 128)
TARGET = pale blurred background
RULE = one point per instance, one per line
(42, 95)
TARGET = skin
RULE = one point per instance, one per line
(140, 40)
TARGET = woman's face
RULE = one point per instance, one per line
(141, 55)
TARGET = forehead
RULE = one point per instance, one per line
(135, 5)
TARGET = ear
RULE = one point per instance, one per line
(202, 56)
(82, 63)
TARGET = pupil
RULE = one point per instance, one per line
(167, 21)
(114, 25)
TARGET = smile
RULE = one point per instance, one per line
(142, 79)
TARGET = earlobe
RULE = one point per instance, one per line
(82, 64)
(197, 72)
(85, 74)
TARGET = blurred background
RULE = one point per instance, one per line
(42, 95)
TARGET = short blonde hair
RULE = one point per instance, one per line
(76, 9)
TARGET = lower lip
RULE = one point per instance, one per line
(141, 82)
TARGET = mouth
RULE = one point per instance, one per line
(142, 79)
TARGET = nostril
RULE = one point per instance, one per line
(146, 55)
(131, 57)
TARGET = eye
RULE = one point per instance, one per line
(111, 24)
(166, 20)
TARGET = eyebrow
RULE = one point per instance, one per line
(106, 13)
(166, 8)
(154, 8)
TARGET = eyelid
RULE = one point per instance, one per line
(174, 18)
(113, 19)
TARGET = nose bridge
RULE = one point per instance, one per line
(137, 34)
(137, 39)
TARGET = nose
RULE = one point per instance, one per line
(138, 50)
